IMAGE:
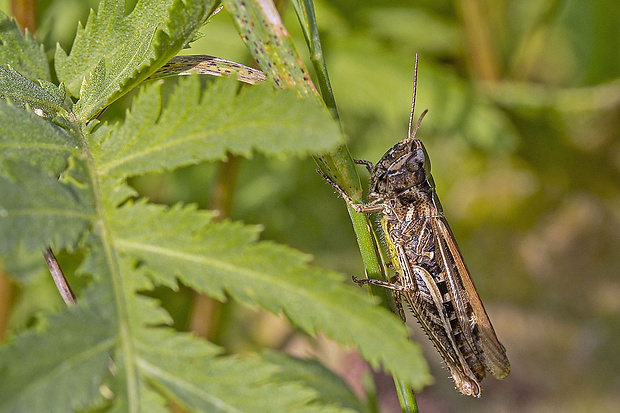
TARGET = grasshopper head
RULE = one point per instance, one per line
(406, 165)
(403, 167)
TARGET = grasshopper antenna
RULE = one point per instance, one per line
(411, 134)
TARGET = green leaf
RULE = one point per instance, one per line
(21, 51)
(331, 388)
(197, 126)
(25, 135)
(223, 257)
(39, 210)
(116, 52)
(44, 99)
(133, 248)
(270, 44)
(185, 370)
(106, 79)
(57, 369)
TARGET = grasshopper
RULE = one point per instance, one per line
(431, 275)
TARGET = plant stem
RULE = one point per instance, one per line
(366, 237)
(206, 311)
(484, 60)
(272, 46)
(311, 33)
(24, 13)
(405, 396)
(340, 163)
(6, 298)
(59, 277)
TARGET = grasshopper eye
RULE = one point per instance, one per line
(415, 162)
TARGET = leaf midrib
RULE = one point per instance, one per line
(155, 371)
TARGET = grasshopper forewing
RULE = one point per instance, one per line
(431, 275)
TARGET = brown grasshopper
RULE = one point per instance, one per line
(431, 275)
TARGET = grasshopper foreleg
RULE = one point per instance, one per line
(369, 166)
(359, 208)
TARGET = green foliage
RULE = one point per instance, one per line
(63, 180)
(21, 51)
(311, 298)
(44, 98)
(314, 375)
(156, 139)
(114, 52)
(525, 158)
(39, 210)
(59, 369)
(46, 140)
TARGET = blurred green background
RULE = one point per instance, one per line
(523, 132)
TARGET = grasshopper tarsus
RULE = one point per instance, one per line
(335, 185)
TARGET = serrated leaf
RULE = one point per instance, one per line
(38, 210)
(185, 370)
(153, 364)
(197, 126)
(217, 258)
(44, 99)
(106, 79)
(26, 136)
(125, 389)
(332, 390)
(21, 51)
(58, 370)
(115, 52)
(132, 248)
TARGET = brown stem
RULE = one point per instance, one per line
(59, 277)
(24, 13)
(6, 298)
(206, 311)
(483, 56)
(224, 188)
